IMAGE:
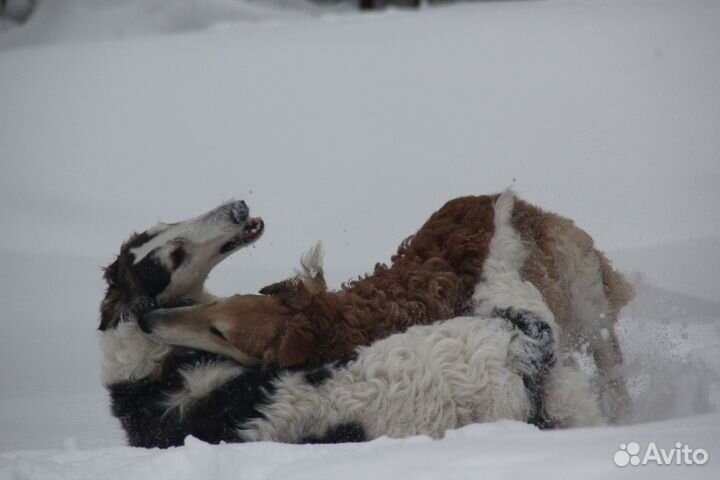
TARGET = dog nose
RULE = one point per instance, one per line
(146, 322)
(238, 211)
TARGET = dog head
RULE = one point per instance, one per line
(246, 327)
(168, 264)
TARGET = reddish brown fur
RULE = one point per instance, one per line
(431, 277)
(541, 232)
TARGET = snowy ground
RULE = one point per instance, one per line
(352, 129)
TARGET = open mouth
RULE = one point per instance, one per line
(251, 231)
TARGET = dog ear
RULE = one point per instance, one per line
(110, 273)
(113, 297)
(296, 287)
(292, 293)
(278, 288)
(310, 279)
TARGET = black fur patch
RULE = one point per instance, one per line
(217, 417)
(147, 423)
(351, 432)
(541, 361)
(137, 406)
(178, 302)
(138, 240)
(152, 277)
(536, 393)
(317, 376)
(538, 330)
(127, 293)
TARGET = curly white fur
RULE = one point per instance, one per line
(424, 381)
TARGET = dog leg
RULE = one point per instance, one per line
(614, 397)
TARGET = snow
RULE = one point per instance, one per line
(80, 21)
(501, 450)
(352, 129)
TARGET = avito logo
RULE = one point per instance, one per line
(630, 454)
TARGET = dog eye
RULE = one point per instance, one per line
(178, 257)
(217, 333)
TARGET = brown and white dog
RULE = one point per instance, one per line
(475, 256)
